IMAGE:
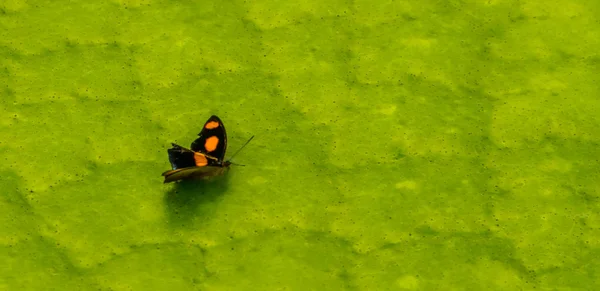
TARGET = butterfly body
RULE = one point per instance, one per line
(204, 159)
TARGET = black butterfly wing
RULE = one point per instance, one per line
(181, 157)
(205, 172)
(212, 140)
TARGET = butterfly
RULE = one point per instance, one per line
(205, 158)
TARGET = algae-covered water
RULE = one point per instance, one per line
(399, 145)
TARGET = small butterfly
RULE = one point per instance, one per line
(205, 158)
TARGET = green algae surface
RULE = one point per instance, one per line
(400, 145)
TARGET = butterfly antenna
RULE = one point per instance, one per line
(239, 151)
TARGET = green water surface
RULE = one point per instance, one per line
(400, 145)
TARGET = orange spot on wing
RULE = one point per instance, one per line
(211, 125)
(200, 159)
(211, 143)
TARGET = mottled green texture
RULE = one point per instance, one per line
(404, 145)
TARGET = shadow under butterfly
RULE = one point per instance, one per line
(184, 208)
(206, 156)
